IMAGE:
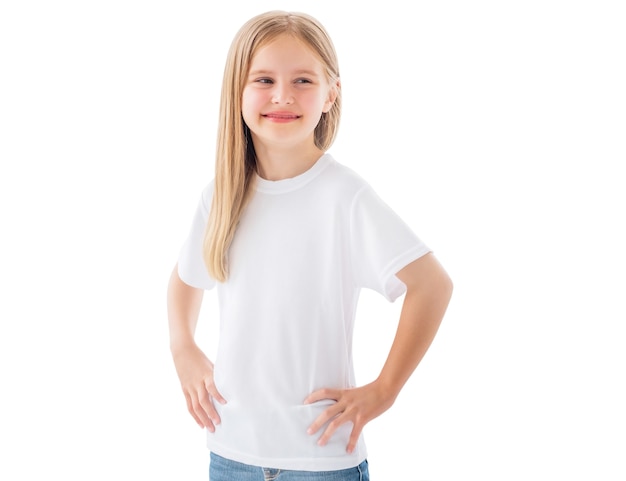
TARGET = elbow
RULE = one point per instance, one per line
(447, 286)
(440, 291)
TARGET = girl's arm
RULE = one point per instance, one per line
(428, 293)
(194, 369)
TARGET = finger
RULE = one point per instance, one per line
(354, 438)
(192, 411)
(331, 428)
(328, 414)
(322, 394)
(208, 412)
(215, 394)
(200, 414)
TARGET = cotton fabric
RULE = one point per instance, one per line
(302, 252)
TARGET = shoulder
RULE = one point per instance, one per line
(344, 180)
(205, 199)
(207, 193)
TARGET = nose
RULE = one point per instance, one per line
(282, 94)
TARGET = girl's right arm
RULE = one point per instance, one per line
(194, 369)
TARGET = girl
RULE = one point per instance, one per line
(289, 236)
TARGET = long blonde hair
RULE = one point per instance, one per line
(235, 162)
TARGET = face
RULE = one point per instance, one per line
(285, 93)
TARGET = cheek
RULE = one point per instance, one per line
(251, 102)
(315, 102)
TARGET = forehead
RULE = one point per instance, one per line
(286, 50)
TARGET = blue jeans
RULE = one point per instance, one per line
(222, 469)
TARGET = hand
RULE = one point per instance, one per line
(358, 406)
(195, 372)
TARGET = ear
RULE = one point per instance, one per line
(332, 95)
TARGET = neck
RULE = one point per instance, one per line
(277, 163)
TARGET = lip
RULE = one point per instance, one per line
(281, 116)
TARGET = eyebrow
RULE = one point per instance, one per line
(296, 72)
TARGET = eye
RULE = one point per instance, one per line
(303, 81)
(264, 80)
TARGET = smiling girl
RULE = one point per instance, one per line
(288, 236)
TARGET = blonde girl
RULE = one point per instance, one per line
(288, 237)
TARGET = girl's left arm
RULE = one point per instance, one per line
(428, 292)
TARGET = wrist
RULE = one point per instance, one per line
(182, 344)
(387, 391)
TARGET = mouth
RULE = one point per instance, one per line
(281, 116)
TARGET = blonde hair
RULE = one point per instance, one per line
(235, 161)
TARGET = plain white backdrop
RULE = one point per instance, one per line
(495, 128)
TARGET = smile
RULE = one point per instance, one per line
(284, 116)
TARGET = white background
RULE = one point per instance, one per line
(495, 128)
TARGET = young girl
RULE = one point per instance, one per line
(289, 236)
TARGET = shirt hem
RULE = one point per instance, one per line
(297, 464)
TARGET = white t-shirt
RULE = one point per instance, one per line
(304, 248)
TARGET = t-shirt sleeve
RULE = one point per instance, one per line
(191, 267)
(381, 244)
